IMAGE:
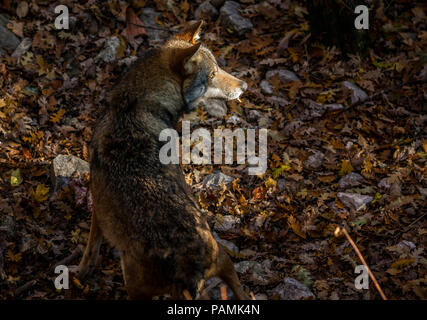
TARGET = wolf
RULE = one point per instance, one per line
(142, 207)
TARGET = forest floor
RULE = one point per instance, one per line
(350, 156)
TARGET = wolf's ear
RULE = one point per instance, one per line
(180, 58)
(190, 33)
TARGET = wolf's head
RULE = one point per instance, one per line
(202, 78)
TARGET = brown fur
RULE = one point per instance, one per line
(142, 207)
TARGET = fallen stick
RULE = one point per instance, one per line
(67, 259)
(337, 232)
(24, 287)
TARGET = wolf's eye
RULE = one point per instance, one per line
(212, 75)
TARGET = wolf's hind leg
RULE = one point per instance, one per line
(228, 274)
(91, 254)
(133, 275)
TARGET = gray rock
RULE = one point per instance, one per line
(206, 11)
(8, 41)
(266, 87)
(257, 273)
(64, 167)
(314, 161)
(316, 110)
(155, 32)
(108, 53)
(227, 244)
(232, 19)
(248, 266)
(354, 201)
(406, 246)
(215, 180)
(215, 107)
(357, 94)
(350, 180)
(285, 76)
(227, 223)
(291, 289)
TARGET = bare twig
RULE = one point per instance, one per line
(68, 259)
(338, 231)
(412, 223)
(24, 287)
(24, 164)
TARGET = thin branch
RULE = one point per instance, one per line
(412, 223)
(337, 232)
(24, 287)
(68, 259)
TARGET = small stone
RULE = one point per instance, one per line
(64, 167)
(257, 273)
(108, 53)
(314, 161)
(215, 180)
(215, 107)
(291, 289)
(232, 19)
(227, 244)
(350, 180)
(316, 110)
(406, 245)
(266, 87)
(357, 94)
(354, 201)
(248, 266)
(206, 11)
(285, 76)
(8, 41)
(227, 223)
